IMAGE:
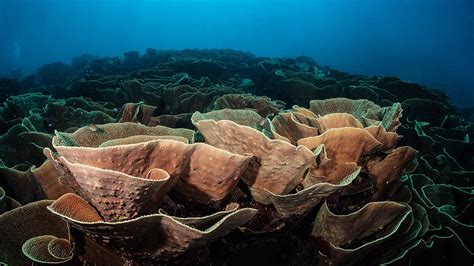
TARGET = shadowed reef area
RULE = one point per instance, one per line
(219, 157)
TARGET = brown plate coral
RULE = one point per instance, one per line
(218, 157)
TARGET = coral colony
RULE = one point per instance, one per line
(200, 157)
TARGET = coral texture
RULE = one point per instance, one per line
(218, 157)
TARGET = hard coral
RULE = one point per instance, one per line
(121, 188)
(334, 183)
(278, 167)
(150, 237)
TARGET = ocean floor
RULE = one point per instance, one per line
(219, 157)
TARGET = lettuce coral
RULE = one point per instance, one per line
(134, 161)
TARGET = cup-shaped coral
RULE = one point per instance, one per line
(285, 174)
(349, 238)
(120, 188)
(25, 224)
(150, 237)
(367, 112)
(278, 167)
(200, 171)
(278, 171)
(354, 133)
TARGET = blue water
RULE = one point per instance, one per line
(429, 41)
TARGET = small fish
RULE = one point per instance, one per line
(262, 121)
(95, 128)
(92, 127)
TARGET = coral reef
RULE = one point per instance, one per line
(219, 157)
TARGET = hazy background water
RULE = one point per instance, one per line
(425, 41)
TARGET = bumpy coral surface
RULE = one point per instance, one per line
(218, 157)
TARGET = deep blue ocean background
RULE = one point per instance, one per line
(426, 41)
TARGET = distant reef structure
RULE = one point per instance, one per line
(219, 157)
